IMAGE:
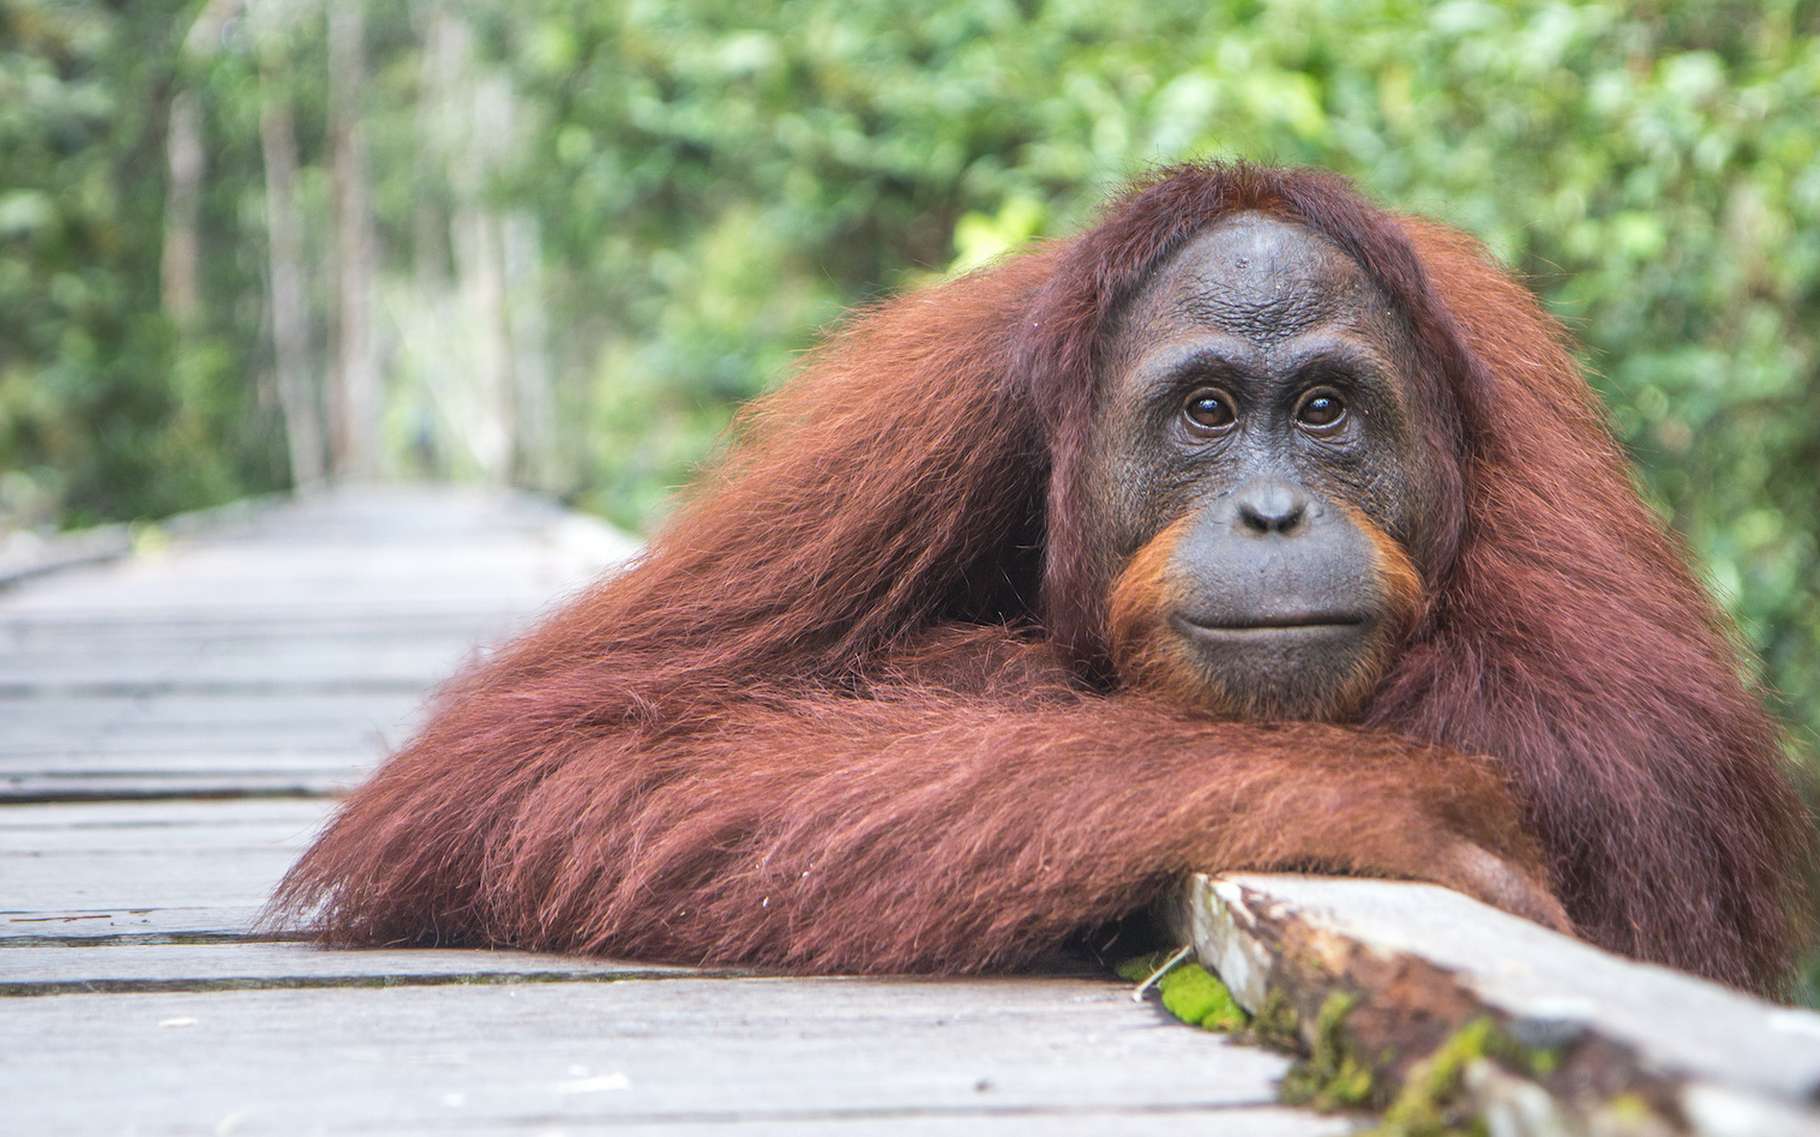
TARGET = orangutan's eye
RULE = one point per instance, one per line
(1208, 412)
(1321, 412)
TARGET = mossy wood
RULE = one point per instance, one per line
(1446, 1013)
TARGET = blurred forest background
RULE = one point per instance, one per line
(250, 244)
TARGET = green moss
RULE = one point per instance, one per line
(1331, 1077)
(1429, 1104)
(1276, 1023)
(1190, 992)
(1541, 1061)
(1629, 1113)
(1195, 995)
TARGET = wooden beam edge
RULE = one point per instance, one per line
(1391, 973)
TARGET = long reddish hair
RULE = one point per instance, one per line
(849, 710)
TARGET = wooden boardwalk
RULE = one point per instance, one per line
(174, 726)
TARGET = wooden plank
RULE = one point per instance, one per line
(200, 763)
(27, 555)
(158, 826)
(527, 1058)
(232, 664)
(186, 878)
(409, 665)
(180, 596)
(285, 655)
(43, 846)
(40, 788)
(259, 563)
(81, 872)
(286, 569)
(261, 574)
(274, 738)
(234, 679)
(1015, 1121)
(28, 970)
(357, 721)
(103, 630)
(24, 556)
(1418, 963)
(270, 678)
(298, 740)
(74, 926)
(271, 738)
(525, 590)
(178, 711)
(282, 739)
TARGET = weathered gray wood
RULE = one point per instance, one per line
(1016, 1121)
(393, 663)
(160, 825)
(76, 871)
(529, 1058)
(129, 761)
(254, 578)
(284, 654)
(102, 631)
(34, 788)
(36, 740)
(24, 556)
(282, 651)
(29, 716)
(1424, 961)
(27, 556)
(120, 967)
(97, 881)
(65, 747)
(133, 748)
(82, 650)
(128, 925)
(406, 549)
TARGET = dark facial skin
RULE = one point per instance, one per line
(1258, 472)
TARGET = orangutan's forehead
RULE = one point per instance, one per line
(1256, 277)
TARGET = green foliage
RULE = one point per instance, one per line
(715, 181)
(1655, 175)
(102, 413)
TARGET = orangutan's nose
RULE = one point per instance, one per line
(1270, 506)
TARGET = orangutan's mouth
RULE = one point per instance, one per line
(1311, 624)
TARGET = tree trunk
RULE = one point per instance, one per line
(471, 116)
(186, 157)
(480, 253)
(181, 273)
(534, 457)
(290, 316)
(355, 396)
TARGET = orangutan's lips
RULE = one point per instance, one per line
(1314, 623)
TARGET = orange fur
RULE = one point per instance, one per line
(1146, 651)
